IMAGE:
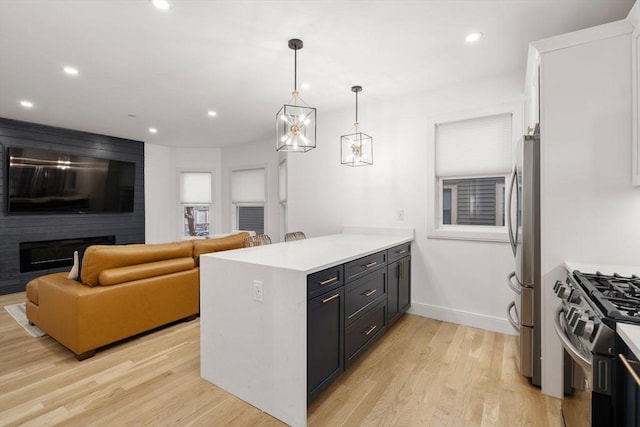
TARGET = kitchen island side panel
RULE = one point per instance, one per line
(256, 350)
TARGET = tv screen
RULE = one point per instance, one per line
(49, 181)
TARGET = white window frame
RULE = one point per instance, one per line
(182, 205)
(435, 228)
(282, 198)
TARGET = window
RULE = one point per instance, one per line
(195, 204)
(472, 161)
(473, 201)
(248, 191)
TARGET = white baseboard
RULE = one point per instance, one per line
(489, 323)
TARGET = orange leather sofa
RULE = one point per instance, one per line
(124, 290)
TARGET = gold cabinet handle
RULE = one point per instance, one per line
(371, 264)
(627, 364)
(326, 300)
(370, 292)
(326, 282)
(401, 252)
(371, 329)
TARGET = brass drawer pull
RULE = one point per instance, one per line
(370, 292)
(326, 300)
(401, 252)
(371, 329)
(627, 364)
(371, 264)
(326, 282)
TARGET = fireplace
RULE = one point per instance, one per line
(47, 254)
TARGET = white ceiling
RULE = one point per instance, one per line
(169, 68)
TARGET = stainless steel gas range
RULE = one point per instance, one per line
(592, 305)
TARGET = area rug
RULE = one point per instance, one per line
(17, 311)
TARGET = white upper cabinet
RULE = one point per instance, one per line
(532, 92)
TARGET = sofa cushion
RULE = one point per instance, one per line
(113, 276)
(98, 258)
(205, 246)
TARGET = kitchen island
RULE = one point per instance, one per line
(253, 309)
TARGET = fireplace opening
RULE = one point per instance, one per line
(46, 254)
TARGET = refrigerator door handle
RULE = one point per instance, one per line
(512, 238)
(514, 287)
(515, 323)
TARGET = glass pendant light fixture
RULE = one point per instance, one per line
(356, 148)
(296, 121)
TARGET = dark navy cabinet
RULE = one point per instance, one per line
(399, 293)
(325, 340)
(349, 307)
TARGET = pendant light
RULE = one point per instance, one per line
(296, 121)
(356, 149)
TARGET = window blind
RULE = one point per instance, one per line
(479, 146)
(248, 186)
(195, 187)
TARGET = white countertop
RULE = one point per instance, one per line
(630, 334)
(315, 254)
(609, 269)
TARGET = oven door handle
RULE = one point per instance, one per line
(515, 324)
(584, 362)
(514, 287)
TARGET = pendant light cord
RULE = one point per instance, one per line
(356, 107)
(295, 70)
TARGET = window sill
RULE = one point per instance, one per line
(475, 233)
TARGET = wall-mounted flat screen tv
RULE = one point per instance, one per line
(43, 181)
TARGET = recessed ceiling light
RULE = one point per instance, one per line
(26, 104)
(153, 130)
(212, 113)
(161, 4)
(71, 71)
(305, 85)
(473, 37)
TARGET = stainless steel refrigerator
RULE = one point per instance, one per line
(523, 224)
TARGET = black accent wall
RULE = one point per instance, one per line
(127, 227)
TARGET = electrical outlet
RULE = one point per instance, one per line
(258, 290)
(400, 215)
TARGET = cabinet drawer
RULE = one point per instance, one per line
(399, 251)
(325, 280)
(361, 266)
(364, 331)
(362, 293)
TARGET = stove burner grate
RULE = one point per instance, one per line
(618, 297)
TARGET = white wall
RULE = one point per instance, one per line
(460, 281)
(590, 213)
(161, 168)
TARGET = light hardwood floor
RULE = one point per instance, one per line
(423, 372)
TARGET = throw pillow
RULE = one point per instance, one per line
(80, 255)
(75, 270)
